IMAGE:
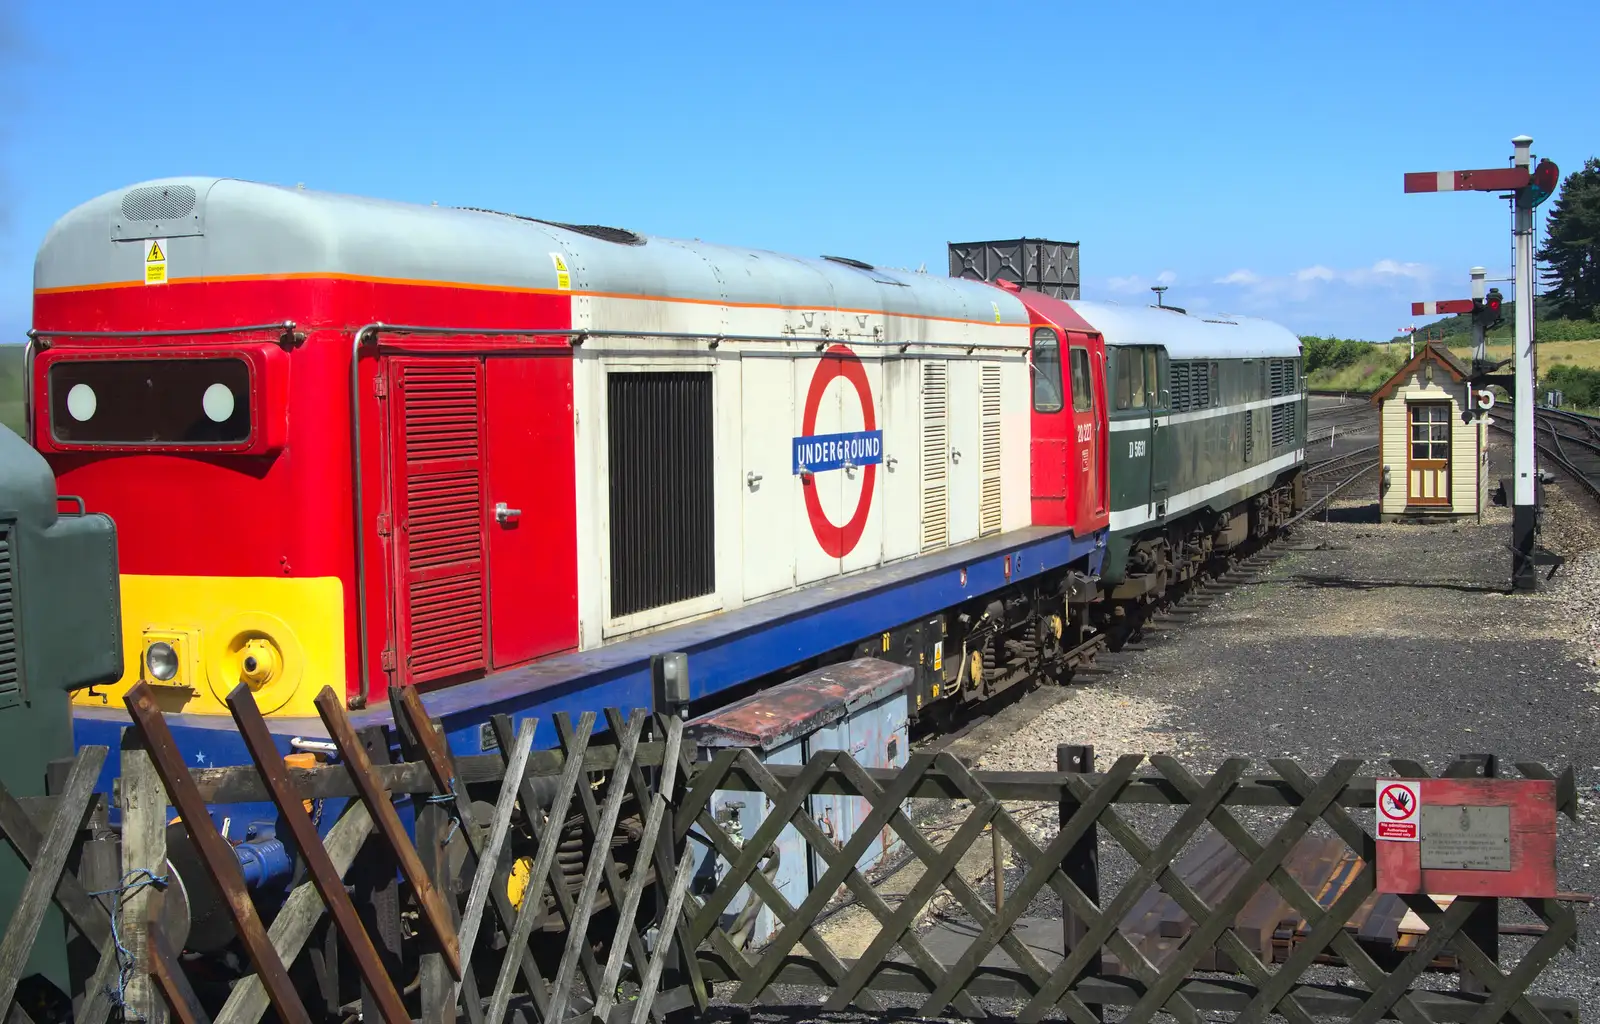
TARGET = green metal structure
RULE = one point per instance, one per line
(60, 630)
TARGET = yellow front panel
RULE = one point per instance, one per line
(283, 637)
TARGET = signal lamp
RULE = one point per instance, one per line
(1546, 177)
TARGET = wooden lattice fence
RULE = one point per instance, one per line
(494, 902)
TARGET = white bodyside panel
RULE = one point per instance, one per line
(766, 542)
(812, 563)
(770, 489)
(898, 477)
(966, 456)
(868, 550)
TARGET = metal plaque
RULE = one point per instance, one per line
(1466, 838)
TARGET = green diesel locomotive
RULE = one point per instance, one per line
(1207, 427)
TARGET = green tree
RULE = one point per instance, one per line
(1571, 253)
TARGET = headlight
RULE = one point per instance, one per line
(161, 660)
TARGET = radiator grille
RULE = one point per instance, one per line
(663, 527)
(1194, 385)
(1249, 434)
(444, 520)
(1282, 425)
(10, 656)
(1181, 400)
(158, 203)
(1282, 373)
(935, 455)
(989, 499)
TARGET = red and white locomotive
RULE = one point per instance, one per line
(363, 443)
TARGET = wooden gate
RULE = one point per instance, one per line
(1174, 893)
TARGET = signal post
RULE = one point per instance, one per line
(1528, 187)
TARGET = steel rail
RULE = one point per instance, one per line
(1365, 468)
(1554, 452)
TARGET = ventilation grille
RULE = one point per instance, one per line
(663, 527)
(989, 496)
(1249, 434)
(1282, 425)
(10, 656)
(935, 455)
(444, 513)
(441, 413)
(1282, 377)
(158, 203)
(444, 521)
(1181, 401)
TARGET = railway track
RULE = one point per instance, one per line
(1569, 440)
(1333, 476)
(976, 731)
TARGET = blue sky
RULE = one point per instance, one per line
(1247, 155)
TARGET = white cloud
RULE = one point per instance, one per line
(1316, 273)
(1133, 284)
(1240, 277)
(1126, 285)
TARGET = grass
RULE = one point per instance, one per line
(1367, 374)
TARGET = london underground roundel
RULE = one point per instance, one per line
(816, 453)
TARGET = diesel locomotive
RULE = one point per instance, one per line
(509, 460)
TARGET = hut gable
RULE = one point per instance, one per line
(1430, 353)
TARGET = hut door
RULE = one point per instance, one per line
(1428, 461)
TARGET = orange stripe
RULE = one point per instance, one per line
(508, 289)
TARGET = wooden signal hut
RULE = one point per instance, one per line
(1435, 457)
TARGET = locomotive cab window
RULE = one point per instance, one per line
(1046, 371)
(1082, 394)
(150, 401)
(1130, 378)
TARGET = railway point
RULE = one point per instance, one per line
(586, 547)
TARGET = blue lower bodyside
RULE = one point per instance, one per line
(725, 650)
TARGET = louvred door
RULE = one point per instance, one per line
(439, 518)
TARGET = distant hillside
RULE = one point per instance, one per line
(11, 386)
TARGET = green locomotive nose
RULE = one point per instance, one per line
(60, 630)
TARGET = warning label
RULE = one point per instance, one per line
(563, 275)
(1399, 810)
(155, 261)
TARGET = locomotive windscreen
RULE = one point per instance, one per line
(150, 401)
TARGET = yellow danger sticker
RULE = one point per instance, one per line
(996, 306)
(563, 275)
(155, 261)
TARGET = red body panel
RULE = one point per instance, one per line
(288, 512)
(1068, 469)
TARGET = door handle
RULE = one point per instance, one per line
(751, 479)
(889, 462)
(505, 515)
(955, 455)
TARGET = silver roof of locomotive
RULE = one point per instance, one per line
(239, 228)
(1187, 336)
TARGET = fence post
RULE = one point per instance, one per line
(377, 886)
(1483, 926)
(1082, 862)
(144, 848)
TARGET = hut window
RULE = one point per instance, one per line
(1430, 432)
